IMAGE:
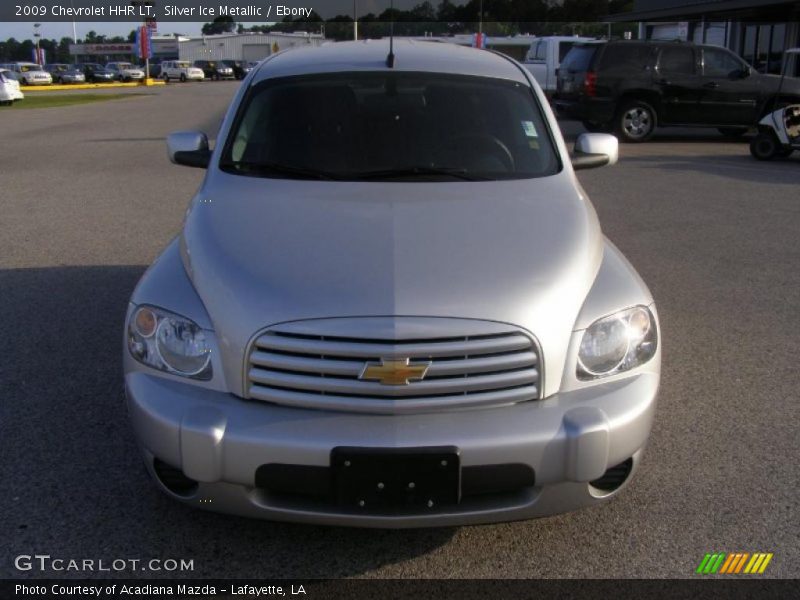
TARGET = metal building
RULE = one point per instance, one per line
(244, 46)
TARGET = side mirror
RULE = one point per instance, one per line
(189, 148)
(595, 150)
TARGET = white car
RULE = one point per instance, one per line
(28, 73)
(9, 88)
(180, 69)
(125, 71)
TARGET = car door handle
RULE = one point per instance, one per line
(711, 85)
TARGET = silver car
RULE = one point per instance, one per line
(391, 304)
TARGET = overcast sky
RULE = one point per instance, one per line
(327, 8)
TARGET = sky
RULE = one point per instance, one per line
(327, 8)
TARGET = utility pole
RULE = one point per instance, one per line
(36, 36)
(480, 18)
(355, 20)
(74, 29)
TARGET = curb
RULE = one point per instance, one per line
(89, 86)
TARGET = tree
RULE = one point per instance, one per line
(224, 24)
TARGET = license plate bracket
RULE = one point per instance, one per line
(396, 478)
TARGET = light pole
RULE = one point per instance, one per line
(355, 20)
(480, 18)
(74, 29)
(36, 36)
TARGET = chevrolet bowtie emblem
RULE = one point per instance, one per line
(394, 371)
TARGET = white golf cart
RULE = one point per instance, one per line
(779, 131)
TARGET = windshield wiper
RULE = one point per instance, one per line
(404, 172)
(267, 168)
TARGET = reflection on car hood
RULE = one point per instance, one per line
(263, 251)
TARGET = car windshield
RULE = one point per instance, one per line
(28, 68)
(183, 65)
(390, 127)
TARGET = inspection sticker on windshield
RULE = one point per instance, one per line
(529, 129)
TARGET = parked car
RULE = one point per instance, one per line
(97, 73)
(182, 70)
(544, 57)
(631, 87)
(213, 69)
(240, 68)
(9, 88)
(125, 71)
(779, 131)
(63, 73)
(391, 303)
(28, 73)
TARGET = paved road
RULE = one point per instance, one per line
(87, 200)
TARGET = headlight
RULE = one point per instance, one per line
(617, 343)
(169, 342)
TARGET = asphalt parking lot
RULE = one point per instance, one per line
(88, 200)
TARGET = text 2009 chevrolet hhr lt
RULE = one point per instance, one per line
(391, 303)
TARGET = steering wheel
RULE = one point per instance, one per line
(487, 142)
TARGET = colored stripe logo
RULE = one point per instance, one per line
(734, 563)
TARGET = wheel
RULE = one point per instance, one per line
(216, 76)
(165, 77)
(732, 132)
(183, 78)
(596, 127)
(765, 146)
(635, 121)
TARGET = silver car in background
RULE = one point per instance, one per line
(391, 303)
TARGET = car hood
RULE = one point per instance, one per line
(264, 251)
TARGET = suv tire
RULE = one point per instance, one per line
(635, 121)
(183, 78)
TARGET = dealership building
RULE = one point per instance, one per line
(244, 46)
(758, 30)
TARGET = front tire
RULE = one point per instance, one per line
(635, 121)
(183, 78)
(765, 146)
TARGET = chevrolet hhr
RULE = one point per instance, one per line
(391, 303)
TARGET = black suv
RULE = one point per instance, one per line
(213, 69)
(630, 87)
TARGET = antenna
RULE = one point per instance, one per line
(390, 57)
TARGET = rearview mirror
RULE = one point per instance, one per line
(189, 148)
(595, 150)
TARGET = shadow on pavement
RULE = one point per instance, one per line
(75, 483)
(744, 167)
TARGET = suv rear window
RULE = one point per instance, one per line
(625, 56)
(677, 59)
(579, 58)
(389, 127)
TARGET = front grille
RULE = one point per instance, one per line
(488, 364)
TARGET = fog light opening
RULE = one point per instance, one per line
(173, 479)
(614, 477)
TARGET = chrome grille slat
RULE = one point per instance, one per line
(353, 368)
(373, 388)
(298, 345)
(317, 364)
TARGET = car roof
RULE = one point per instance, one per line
(370, 55)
